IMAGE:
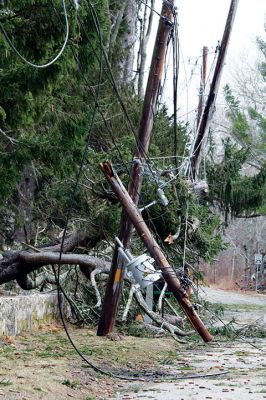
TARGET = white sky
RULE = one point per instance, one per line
(201, 23)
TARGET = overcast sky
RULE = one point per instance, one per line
(201, 23)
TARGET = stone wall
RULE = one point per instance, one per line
(20, 313)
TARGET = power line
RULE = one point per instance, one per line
(175, 43)
(153, 9)
(70, 208)
(91, 92)
(69, 211)
(115, 87)
(42, 66)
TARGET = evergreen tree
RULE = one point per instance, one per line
(236, 194)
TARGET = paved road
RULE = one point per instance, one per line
(242, 361)
(232, 297)
(243, 307)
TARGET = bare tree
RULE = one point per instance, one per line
(145, 22)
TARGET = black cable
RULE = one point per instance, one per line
(116, 90)
(92, 93)
(70, 208)
(176, 59)
(88, 85)
(48, 64)
(92, 365)
(69, 211)
(114, 85)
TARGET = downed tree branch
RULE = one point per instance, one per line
(133, 288)
(93, 274)
(173, 310)
(160, 301)
(157, 331)
(174, 330)
(24, 262)
(27, 283)
(70, 243)
(19, 264)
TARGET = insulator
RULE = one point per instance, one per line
(164, 200)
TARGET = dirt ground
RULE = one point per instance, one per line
(43, 365)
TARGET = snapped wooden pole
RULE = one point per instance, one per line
(155, 251)
(204, 122)
(115, 281)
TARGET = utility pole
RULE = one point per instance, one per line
(202, 83)
(209, 106)
(115, 282)
(154, 249)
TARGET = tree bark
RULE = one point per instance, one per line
(146, 32)
(24, 200)
(22, 262)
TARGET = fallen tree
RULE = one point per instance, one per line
(19, 265)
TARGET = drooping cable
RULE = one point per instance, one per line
(69, 211)
(58, 277)
(175, 44)
(188, 170)
(140, 146)
(90, 91)
(40, 66)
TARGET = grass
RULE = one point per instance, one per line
(242, 353)
(51, 352)
(50, 355)
(72, 384)
(5, 382)
(135, 388)
(137, 330)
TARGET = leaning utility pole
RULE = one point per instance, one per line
(154, 249)
(114, 285)
(202, 83)
(204, 123)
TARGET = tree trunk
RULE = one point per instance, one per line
(146, 31)
(24, 201)
(130, 17)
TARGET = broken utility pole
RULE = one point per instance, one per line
(114, 285)
(210, 103)
(154, 249)
(202, 83)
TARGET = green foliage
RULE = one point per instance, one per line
(240, 126)
(47, 114)
(235, 194)
(138, 330)
(5, 382)
(72, 384)
(44, 115)
(186, 215)
(262, 67)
